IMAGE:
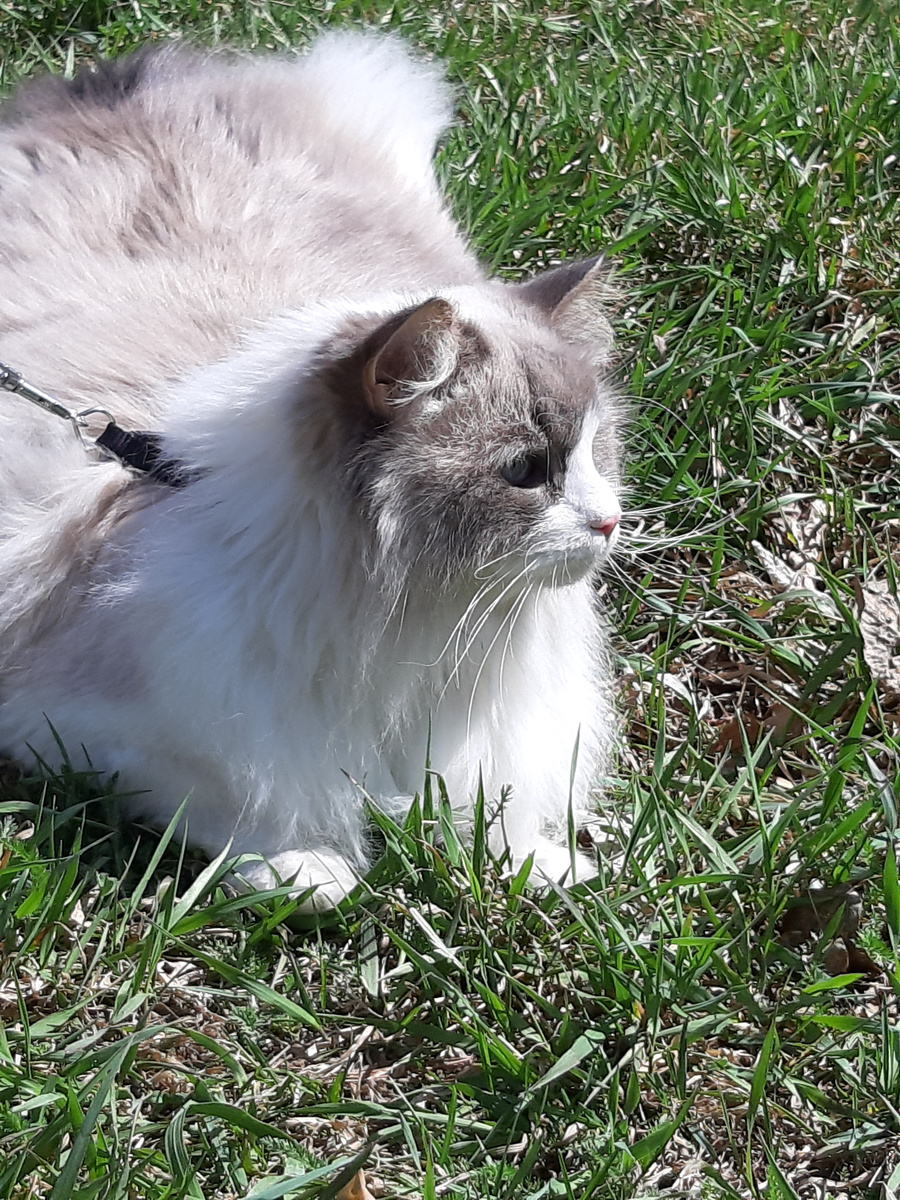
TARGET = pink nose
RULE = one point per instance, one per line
(606, 525)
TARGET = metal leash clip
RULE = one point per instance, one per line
(140, 451)
(12, 381)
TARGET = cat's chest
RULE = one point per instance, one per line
(445, 666)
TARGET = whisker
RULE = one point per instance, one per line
(636, 537)
(525, 595)
(511, 617)
(456, 631)
(482, 620)
(492, 561)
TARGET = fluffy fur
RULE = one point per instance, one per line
(404, 473)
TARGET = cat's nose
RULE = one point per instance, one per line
(605, 525)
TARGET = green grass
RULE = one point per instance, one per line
(689, 1022)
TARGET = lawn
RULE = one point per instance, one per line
(718, 1014)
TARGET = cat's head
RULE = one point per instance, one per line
(481, 433)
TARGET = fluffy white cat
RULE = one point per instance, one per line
(402, 474)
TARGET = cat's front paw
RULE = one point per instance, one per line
(557, 864)
(332, 876)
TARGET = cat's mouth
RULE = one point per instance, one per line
(557, 568)
(564, 551)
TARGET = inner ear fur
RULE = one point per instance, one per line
(575, 298)
(411, 353)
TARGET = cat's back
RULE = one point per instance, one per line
(152, 209)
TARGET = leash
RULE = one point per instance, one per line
(136, 449)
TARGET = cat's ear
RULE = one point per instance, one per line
(575, 298)
(411, 358)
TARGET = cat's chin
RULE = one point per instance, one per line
(559, 570)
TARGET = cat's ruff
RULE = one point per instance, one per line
(402, 474)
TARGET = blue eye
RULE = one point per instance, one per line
(530, 470)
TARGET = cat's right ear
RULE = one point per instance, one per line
(575, 298)
(411, 354)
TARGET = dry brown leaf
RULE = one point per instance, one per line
(797, 580)
(356, 1189)
(811, 913)
(784, 720)
(836, 957)
(782, 575)
(729, 739)
(859, 960)
(879, 624)
(806, 525)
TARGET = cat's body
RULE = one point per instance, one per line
(393, 515)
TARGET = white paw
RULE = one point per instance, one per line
(557, 864)
(329, 873)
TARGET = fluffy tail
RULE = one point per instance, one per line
(370, 83)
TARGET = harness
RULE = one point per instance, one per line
(140, 451)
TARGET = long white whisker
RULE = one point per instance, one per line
(485, 616)
(509, 636)
(456, 631)
(493, 561)
(462, 652)
(461, 628)
(510, 617)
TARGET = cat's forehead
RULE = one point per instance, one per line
(534, 376)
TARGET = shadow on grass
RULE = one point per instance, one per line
(69, 815)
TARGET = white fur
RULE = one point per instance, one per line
(402, 122)
(228, 642)
(566, 544)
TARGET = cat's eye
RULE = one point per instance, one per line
(531, 470)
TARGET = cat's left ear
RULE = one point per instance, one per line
(410, 355)
(575, 298)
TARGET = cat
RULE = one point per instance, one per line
(401, 475)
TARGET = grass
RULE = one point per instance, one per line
(718, 1014)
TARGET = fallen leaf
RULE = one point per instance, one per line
(729, 739)
(811, 913)
(879, 624)
(797, 577)
(836, 957)
(859, 960)
(779, 572)
(807, 525)
(356, 1189)
(784, 720)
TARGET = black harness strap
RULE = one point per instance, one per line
(140, 451)
(143, 452)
